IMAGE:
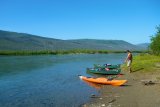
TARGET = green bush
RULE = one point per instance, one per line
(155, 42)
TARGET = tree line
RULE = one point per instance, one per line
(155, 42)
(75, 51)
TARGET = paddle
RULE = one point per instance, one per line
(113, 77)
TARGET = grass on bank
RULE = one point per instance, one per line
(145, 63)
(47, 52)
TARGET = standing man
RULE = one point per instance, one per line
(129, 60)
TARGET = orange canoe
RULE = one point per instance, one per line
(102, 80)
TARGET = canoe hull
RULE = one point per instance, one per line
(107, 66)
(103, 71)
(103, 80)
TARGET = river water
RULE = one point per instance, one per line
(49, 80)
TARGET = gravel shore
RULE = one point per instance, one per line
(141, 90)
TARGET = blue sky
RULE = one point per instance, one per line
(131, 20)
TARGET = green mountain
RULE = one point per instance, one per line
(106, 44)
(144, 45)
(23, 41)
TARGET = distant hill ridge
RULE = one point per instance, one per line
(22, 41)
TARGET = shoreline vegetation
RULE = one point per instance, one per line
(144, 62)
(57, 52)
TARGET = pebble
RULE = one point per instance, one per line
(117, 96)
(103, 105)
(110, 105)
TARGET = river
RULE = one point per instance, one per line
(48, 80)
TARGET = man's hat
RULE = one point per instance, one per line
(127, 50)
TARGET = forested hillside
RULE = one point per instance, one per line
(22, 41)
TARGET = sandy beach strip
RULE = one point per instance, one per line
(135, 93)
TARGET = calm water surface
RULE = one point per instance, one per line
(48, 81)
